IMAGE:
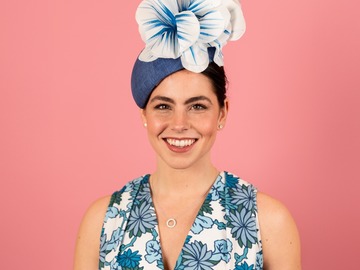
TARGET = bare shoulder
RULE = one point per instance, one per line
(88, 239)
(279, 234)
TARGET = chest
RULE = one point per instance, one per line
(201, 236)
(173, 237)
(223, 234)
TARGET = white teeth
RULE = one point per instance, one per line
(180, 143)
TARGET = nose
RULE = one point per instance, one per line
(180, 121)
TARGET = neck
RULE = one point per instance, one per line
(194, 181)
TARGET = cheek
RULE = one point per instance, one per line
(156, 127)
(208, 127)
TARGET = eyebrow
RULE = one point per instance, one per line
(199, 98)
(188, 101)
(162, 98)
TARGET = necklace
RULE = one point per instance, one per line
(171, 222)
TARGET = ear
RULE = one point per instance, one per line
(223, 113)
(143, 116)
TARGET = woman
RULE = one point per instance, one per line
(186, 214)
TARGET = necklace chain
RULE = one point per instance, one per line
(171, 222)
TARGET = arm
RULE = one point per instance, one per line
(280, 237)
(88, 240)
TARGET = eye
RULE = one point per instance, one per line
(162, 107)
(198, 107)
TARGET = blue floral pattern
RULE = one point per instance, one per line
(224, 235)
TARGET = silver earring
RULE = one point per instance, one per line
(220, 126)
(145, 124)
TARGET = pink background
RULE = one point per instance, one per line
(71, 133)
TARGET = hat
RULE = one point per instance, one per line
(181, 34)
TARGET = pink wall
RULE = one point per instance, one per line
(71, 133)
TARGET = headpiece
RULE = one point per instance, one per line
(181, 34)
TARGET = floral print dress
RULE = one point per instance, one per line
(225, 233)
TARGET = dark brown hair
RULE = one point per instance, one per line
(218, 78)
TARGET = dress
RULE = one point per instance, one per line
(225, 233)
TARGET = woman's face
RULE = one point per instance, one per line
(182, 117)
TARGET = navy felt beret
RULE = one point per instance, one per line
(147, 75)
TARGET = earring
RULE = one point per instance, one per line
(145, 124)
(220, 126)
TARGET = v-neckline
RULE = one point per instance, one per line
(190, 233)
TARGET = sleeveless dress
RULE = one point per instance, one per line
(224, 235)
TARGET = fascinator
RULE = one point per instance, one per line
(181, 34)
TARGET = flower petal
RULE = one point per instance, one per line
(200, 7)
(237, 19)
(196, 58)
(212, 24)
(219, 43)
(146, 55)
(188, 29)
(218, 55)
(157, 26)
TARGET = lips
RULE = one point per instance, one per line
(180, 142)
(179, 145)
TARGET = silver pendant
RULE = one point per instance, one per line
(171, 223)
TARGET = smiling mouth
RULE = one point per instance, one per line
(180, 142)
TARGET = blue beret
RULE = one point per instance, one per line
(147, 75)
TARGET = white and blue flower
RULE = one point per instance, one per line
(244, 195)
(112, 212)
(103, 248)
(244, 266)
(197, 257)
(129, 259)
(231, 181)
(113, 242)
(108, 245)
(114, 265)
(222, 250)
(186, 28)
(217, 190)
(141, 220)
(153, 251)
(201, 223)
(259, 260)
(243, 227)
(144, 193)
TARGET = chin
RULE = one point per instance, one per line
(183, 163)
(179, 165)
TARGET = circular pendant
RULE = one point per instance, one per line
(171, 223)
